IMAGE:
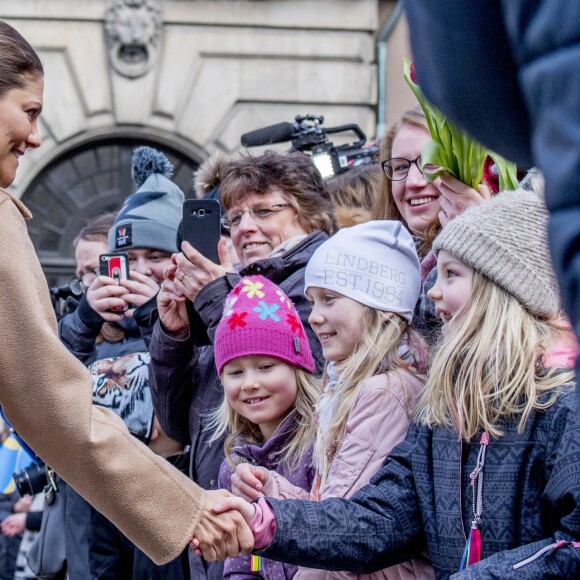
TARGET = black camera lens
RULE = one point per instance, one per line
(31, 480)
(200, 212)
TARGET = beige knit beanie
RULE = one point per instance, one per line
(506, 240)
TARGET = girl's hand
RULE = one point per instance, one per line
(105, 293)
(194, 271)
(248, 481)
(171, 304)
(456, 197)
(140, 290)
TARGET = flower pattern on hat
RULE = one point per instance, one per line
(259, 319)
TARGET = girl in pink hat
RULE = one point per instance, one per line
(265, 365)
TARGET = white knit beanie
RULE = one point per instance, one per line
(374, 263)
(506, 240)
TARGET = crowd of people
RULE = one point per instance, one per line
(373, 381)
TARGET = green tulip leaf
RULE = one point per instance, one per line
(453, 150)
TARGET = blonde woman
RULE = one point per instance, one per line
(363, 284)
(423, 207)
(488, 479)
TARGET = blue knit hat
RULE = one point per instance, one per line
(149, 217)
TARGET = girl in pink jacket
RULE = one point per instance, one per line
(363, 284)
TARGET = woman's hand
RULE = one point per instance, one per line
(220, 504)
(171, 304)
(194, 271)
(140, 290)
(456, 197)
(106, 293)
(248, 481)
(223, 529)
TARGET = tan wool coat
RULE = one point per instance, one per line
(46, 395)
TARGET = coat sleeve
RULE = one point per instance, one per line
(514, 86)
(549, 76)
(466, 68)
(377, 422)
(562, 496)
(380, 526)
(79, 330)
(225, 476)
(279, 487)
(145, 316)
(46, 395)
(171, 374)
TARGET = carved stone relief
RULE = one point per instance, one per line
(133, 34)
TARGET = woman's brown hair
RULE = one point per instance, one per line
(293, 174)
(18, 60)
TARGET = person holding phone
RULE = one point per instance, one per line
(278, 211)
(45, 391)
(118, 362)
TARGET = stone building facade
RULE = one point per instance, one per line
(185, 76)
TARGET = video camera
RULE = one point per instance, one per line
(307, 135)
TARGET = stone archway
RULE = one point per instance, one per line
(88, 179)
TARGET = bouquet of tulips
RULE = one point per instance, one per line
(452, 150)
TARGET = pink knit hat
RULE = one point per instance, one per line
(259, 319)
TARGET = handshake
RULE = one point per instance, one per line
(223, 531)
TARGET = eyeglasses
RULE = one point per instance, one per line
(397, 168)
(258, 214)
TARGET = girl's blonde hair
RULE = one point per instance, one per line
(377, 351)
(224, 420)
(489, 368)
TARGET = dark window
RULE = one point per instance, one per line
(84, 182)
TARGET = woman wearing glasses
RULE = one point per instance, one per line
(278, 211)
(423, 207)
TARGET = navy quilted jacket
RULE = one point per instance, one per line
(508, 71)
(421, 498)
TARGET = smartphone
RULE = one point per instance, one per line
(202, 226)
(115, 266)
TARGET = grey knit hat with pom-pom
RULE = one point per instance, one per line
(149, 217)
(506, 240)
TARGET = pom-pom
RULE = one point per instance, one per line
(147, 161)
